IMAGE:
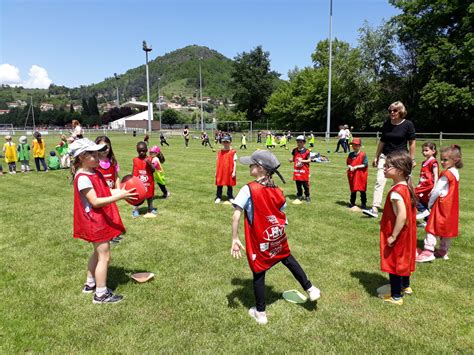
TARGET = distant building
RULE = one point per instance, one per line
(46, 107)
(3, 112)
(17, 103)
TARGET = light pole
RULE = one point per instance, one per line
(328, 122)
(200, 90)
(147, 49)
(159, 101)
(116, 84)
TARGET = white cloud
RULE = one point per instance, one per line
(38, 77)
(9, 74)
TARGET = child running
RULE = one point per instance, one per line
(226, 170)
(163, 139)
(143, 168)
(243, 142)
(398, 228)
(443, 221)
(428, 179)
(96, 216)
(265, 238)
(301, 159)
(159, 174)
(357, 173)
(11, 157)
(24, 154)
(108, 164)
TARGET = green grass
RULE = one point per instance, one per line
(199, 299)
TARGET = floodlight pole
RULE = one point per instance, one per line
(33, 113)
(328, 123)
(116, 84)
(200, 90)
(147, 49)
(159, 101)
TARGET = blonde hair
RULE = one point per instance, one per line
(75, 123)
(402, 111)
(454, 152)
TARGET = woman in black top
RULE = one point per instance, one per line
(397, 134)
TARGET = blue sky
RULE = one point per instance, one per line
(79, 42)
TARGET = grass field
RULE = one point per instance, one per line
(199, 299)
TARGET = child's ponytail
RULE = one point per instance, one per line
(403, 162)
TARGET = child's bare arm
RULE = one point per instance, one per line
(236, 244)
(117, 194)
(400, 221)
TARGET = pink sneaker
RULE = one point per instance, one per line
(418, 251)
(440, 254)
(425, 256)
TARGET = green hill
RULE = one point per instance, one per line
(179, 73)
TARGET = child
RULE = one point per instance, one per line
(186, 136)
(243, 142)
(143, 168)
(205, 140)
(24, 154)
(53, 161)
(96, 216)
(11, 157)
(62, 150)
(163, 139)
(301, 159)
(444, 204)
(159, 175)
(108, 165)
(398, 228)
(268, 141)
(283, 142)
(311, 140)
(428, 179)
(39, 150)
(146, 139)
(225, 170)
(357, 173)
(265, 238)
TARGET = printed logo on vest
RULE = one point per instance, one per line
(274, 232)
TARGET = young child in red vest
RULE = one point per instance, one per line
(96, 216)
(444, 204)
(143, 169)
(301, 159)
(398, 228)
(357, 173)
(225, 170)
(428, 179)
(108, 165)
(265, 238)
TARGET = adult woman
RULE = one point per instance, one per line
(397, 133)
(77, 132)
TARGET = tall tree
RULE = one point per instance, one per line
(253, 81)
(93, 108)
(438, 41)
(85, 108)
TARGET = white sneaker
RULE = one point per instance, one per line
(371, 213)
(260, 317)
(423, 214)
(231, 200)
(313, 293)
(421, 225)
(217, 200)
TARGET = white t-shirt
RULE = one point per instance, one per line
(395, 196)
(342, 134)
(441, 188)
(83, 182)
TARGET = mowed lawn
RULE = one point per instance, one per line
(199, 298)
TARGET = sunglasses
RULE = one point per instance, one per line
(393, 110)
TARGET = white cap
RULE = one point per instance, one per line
(84, 145)
(301, 138)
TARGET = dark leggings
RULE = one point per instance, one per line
(163, 189)
(163, 141)
(259, 281)
(363, 198)
(397, 284)
(230, 192)
(37, 163)
(299, 188)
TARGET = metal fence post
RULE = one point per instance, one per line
(440, 139)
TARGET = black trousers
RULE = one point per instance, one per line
(163, 141)
(363, 198)
(163, 189)
(259, 281)
(43, 162)
(397, 283)
(299, 188)
(243, 146)
(230, 192)
(341, 142)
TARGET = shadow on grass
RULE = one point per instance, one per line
(118, 275)
(245, 295)
(342, 203)
(370, 280)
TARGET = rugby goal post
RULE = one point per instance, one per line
(236, 126)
